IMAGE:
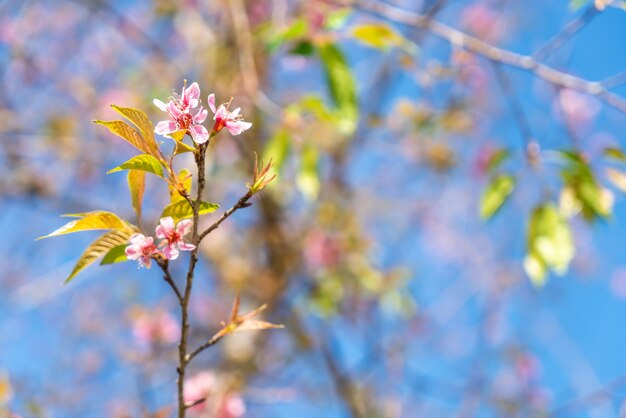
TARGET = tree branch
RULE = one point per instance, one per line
(168, 278)
(479, 47)
(242, 203)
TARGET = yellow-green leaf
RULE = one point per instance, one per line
(126, 132)
(495, 195)
(97, 249)
(535, 269)
(115, 255)
(184, 177)
(341, 85)
(308, 180)
(377, 35)
(137, 186)
(615, 153)
(91, 221)
(181, 209)
(550, 242)
(277, 148)
(143, 162)
(141, 121)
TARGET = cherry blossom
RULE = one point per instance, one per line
(185, 115)
(154, 327)
(172, 237)
(233, 121)
(141, 248)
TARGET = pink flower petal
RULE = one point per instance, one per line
(211, 101)
(167, 224)
(183, 227)
(170, 252)
(184, 246)
(199, 134)
(192, 94)
(200, 116)
(236, 128)
(221, 113)
(160, 105)
(132, 252)
(165, 127)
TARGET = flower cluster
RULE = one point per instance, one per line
(187, 114)
(143, 249)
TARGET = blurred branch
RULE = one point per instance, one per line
(518, 112)
(477, 46)
(596, 396)
(168, 278)
(566, 34)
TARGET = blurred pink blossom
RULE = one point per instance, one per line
(173, 237)
(576, 108)
(484, 22)
(218, 403)
(155, 327)
(321, 251)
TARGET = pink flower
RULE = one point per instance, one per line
(141, 248)
(155, 327)
(173, 237)
(231, 406)
(183, 115)
(199, 387)
(233, 121)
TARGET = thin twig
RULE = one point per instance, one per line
(203, 347)
(168, 278)
(242, 203)
(518, 112)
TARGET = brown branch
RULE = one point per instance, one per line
(168, 278)
(472, 44)
(242, 203)
(200, 158)
(203, 347)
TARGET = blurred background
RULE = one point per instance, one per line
(414, 165)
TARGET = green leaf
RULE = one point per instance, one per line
(304, 48)
(97, 249)
(143, 162)
(577, 4)
(495, 195)
(337, 19)
(308, 179)
(342, 87)
(615, 153)
(550, 243)
(146, 127)
(497, 158)
(296, 30)
(535, 269)
(277, 148)
(91, 221)
(377, 35)
(180, 146)
(181, 209)
(578, 176)
(137, 186)
(130, 135)
(115, 255)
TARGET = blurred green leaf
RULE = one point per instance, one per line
(377, 35)
(497, 158)
(337, 19)
(617, 177)
(143, 162)
(181, 209)
(550, 243)
(184, 177)
(577, 4)
(308, 179)
(97, 249)
(341, 85)
(495, 195)
(296, 30)
(277, 148)
(136, 185)
(115, 255)
(615, 153)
